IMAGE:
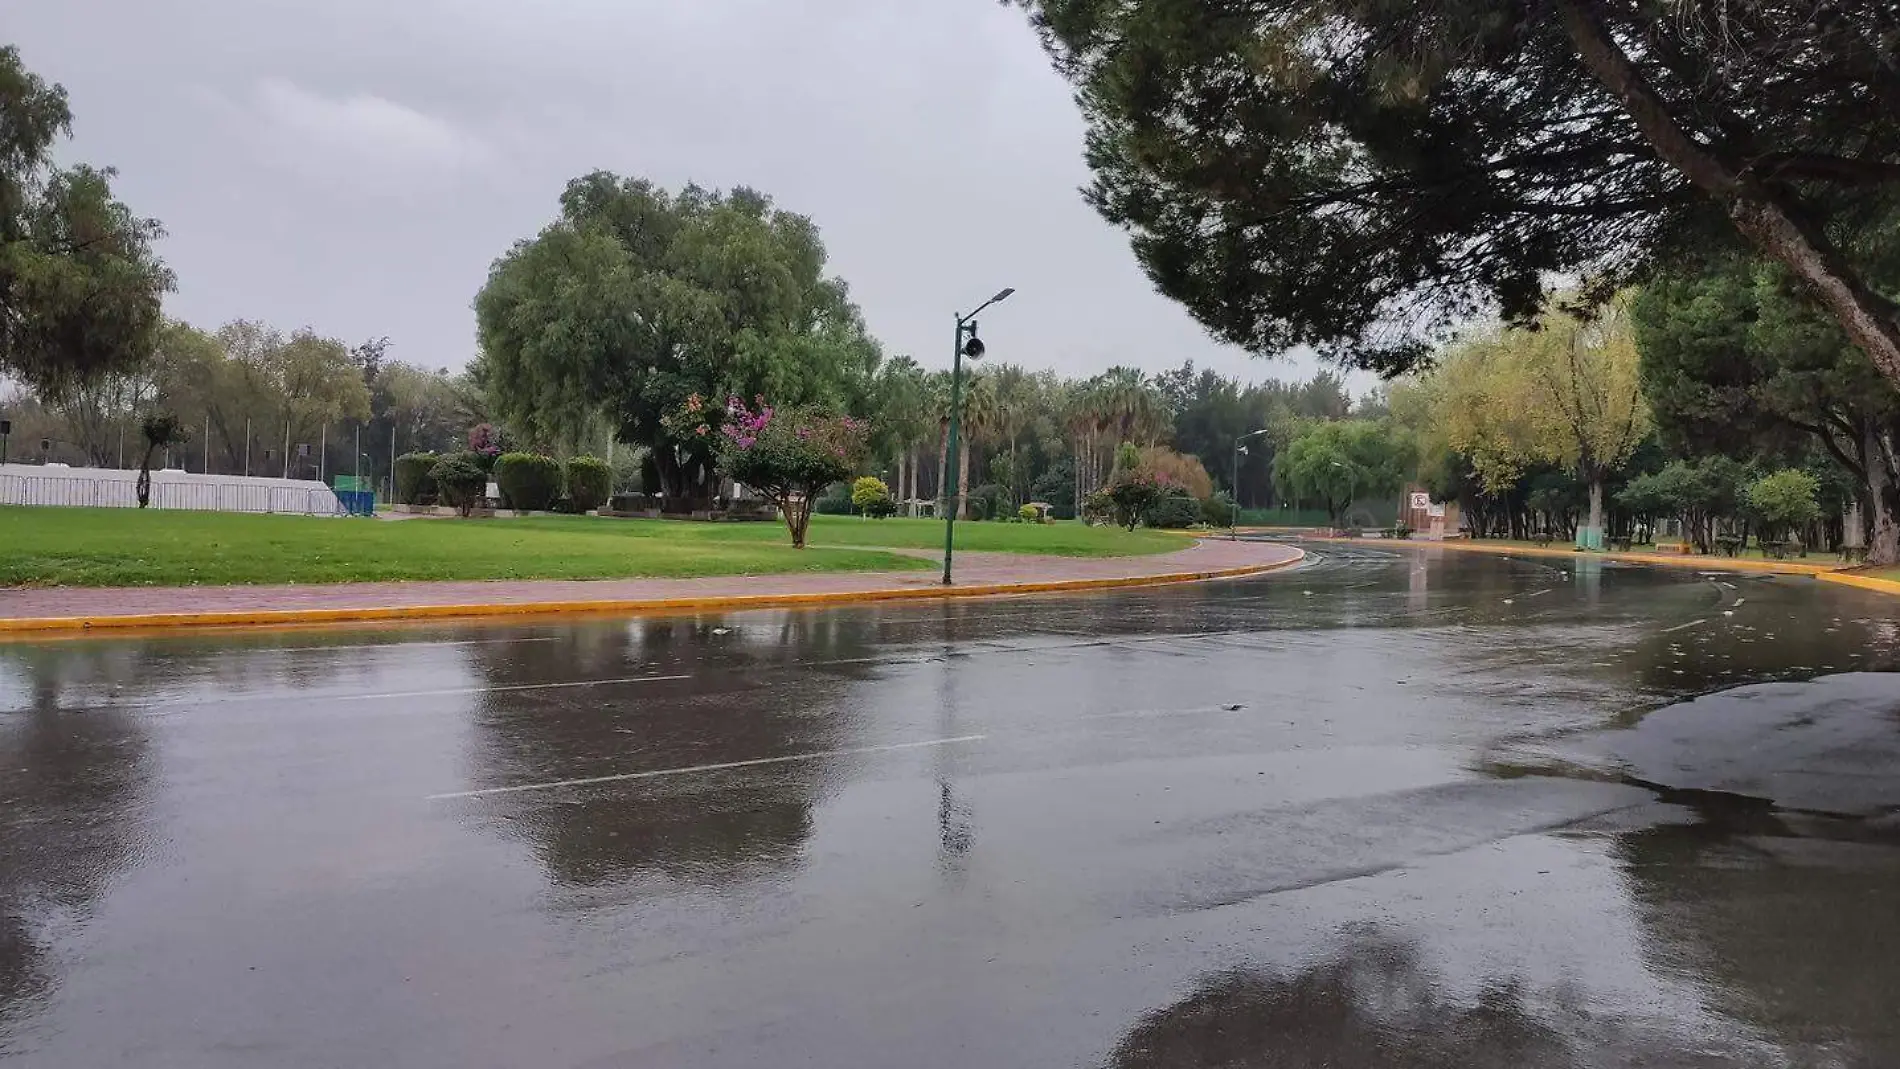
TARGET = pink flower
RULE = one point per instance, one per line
(701, 429)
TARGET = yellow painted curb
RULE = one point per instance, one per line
(56, 626)
(1668, 560)
(1863, 582)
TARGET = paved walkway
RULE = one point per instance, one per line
(973, 570)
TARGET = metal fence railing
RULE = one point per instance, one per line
(202, 493)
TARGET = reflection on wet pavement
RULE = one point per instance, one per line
(1393, 808)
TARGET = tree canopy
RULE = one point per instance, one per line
(1362, 175)
(637, 298)
(80, 287)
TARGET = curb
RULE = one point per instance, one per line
(40, 627)
(1708, 564)
(1863, 582)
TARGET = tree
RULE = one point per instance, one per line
(1335, 462)
(80, 287)
(1784, 502)
(636, 298)
(1359, 174)
(1565, 393)
(160, 431)
(1735, 362)
(788, 455)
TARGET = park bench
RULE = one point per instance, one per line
(1728, 545)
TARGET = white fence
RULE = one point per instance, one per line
(31, 484)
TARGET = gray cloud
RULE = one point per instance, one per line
(355, 165)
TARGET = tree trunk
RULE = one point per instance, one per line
(1596, 510)
(963, 480)
(1883, 543)
(943, 467)
(796, 510)
(1870, 320)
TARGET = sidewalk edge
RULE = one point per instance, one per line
(56, 626)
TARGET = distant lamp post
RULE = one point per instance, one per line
(968, 344)
(1233, 521)
(6, 431)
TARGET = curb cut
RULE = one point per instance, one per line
(44, 627)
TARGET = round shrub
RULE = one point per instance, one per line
(589, 482)
(460, 481)
(1029, 514)
(1218, 511)
(529, 482)
(414, 486)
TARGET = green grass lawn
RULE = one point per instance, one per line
(123, 547)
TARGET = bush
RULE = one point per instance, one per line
(1029, 514)
(867, 492)
(836, 501)
(1098, 507)
(529, 482)
(989, 502)
(1174, 508)
(460, 481)
(882, 508)
(414, 484)
(589, 482)
(1218, 511)
(1784, 502)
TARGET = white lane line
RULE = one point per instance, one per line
(490, 690)
(1683, 627)
(1539, 593)
(723, 765)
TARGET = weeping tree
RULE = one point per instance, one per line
(160, 431)
(1360, 175)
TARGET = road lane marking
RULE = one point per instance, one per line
(721, 766)
(1683, 627)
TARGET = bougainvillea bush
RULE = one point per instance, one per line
(787, 455)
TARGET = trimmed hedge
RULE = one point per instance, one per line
(414, 484)
(589, 482)
(1174, 509)
(529, 482)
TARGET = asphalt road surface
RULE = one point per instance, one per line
(1389, 809)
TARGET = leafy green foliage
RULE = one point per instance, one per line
(80, 285)
(414, 483)
(1336, 462)
(460, 481)
(1173, 509)
(1218, 511)
(528, 482)
(1698, 494)
(1362, 175)
(637, 298)
(990, 502)
(1784, 501)
(589, 482)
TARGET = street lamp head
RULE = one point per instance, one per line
(1003, 295)
(974, 348)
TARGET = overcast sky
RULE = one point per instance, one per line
(355, 165)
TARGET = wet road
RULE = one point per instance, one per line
(1391, 809)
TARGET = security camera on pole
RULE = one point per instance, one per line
(968, 344)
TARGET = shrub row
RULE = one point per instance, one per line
(527, 481)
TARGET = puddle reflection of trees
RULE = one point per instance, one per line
(1374, 1003)
(745, 702)
(76, 779)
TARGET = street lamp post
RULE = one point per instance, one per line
(972, 348)
(1233, 521)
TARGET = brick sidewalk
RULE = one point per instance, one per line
(973, 569)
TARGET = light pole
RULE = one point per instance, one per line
(1352, 473)
(973, 348)
(1233, 521)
